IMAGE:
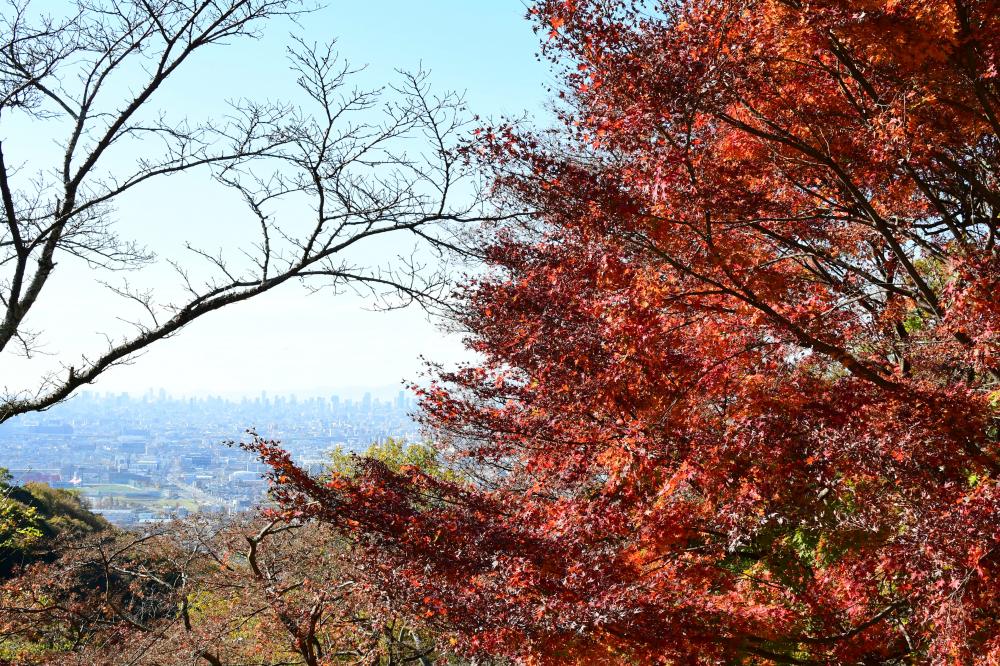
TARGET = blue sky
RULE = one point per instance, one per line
(286, 341)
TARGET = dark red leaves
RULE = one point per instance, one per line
(738, 397)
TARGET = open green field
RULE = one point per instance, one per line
(189, 504)
(149, 498)
(117, 490)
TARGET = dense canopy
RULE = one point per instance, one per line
(738, 396)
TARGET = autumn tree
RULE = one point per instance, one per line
(337, 168)
(210, 590)
(738, 397)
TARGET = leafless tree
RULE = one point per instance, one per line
(359, 164)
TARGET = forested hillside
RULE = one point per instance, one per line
(35, 519)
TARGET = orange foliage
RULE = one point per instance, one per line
(738, 396)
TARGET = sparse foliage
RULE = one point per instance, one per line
(212, 591)
(318, 176)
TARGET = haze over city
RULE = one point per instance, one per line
(322, 369)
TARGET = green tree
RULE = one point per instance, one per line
(396, 454)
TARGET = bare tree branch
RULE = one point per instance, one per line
(365, 163)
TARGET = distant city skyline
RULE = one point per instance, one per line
(141, 459)
(355, 392)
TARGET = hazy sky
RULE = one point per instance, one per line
(288, 340)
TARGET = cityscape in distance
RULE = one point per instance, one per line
(144, 459)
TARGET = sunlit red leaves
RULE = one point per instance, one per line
(735, 396)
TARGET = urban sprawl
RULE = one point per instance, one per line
(152, 458)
